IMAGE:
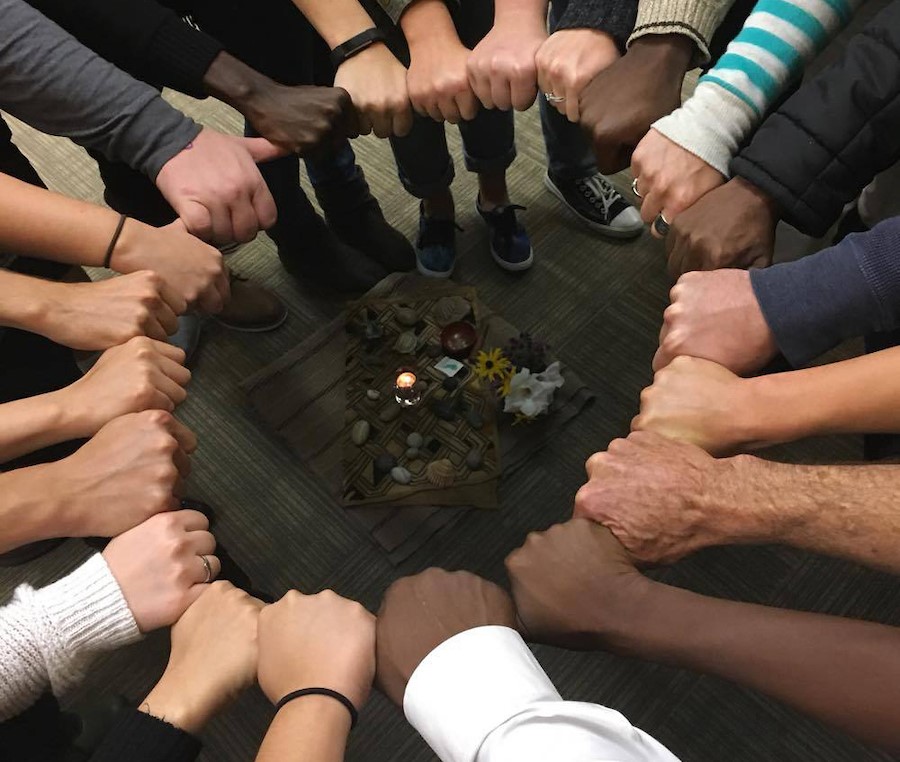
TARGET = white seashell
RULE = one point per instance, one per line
(449, 309)
(441, 473)
(406, 343)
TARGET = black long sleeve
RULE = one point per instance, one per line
(615, 17)
(148, 40)
(137, 737)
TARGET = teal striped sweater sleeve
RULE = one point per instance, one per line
(779, 38)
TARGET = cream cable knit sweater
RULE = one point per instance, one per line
(48, 636)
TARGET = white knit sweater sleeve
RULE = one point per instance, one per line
(48, 636)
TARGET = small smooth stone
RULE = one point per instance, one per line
(415, 440)
(401, 475)
(412, 453)
(474, 419)
(420, 386)
(407, 316)
(373, 394)
(474, 460)
(385, 462)
(390, 413)
(360, 433)
(451, 384)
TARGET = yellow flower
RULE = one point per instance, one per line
(491, 365)
(505, 381)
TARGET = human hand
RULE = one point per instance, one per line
(129, 471)
(192, 270)
(316, 641)
(302, 119)
(141, 374)
(669, 178)
(421, 612)
(731, 226)
(102, 314)
(715, 316)
(376, 81)
(662, 499)
(575, 586)
(619, 105)
(702, 403)
(216, 189)
(438, 80)
(212, 658)
(159, 568)
(502, 68)
(568, 60)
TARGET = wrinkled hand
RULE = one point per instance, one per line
(158, 566)
(421, 612)
(715, 316)
(502, 68)
(574, 586)
(316, 641)
(190, 269)
(657, 496)
(731, 226)
(669, 178)
(216, 189)
(376, 81)
(302, 119)
(568, 60)
(103, 314)
(702, 403)
(130, 471)
(438, 81)
(139, 375)
(619, 104)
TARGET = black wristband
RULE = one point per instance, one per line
(356, 45)
(115, 239)
(354, 715)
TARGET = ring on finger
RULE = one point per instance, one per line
(553, 98)
(634, 188)
(661, 225)
(208, 567)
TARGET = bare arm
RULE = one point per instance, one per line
(314, 729)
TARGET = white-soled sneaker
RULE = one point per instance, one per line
(598, 205)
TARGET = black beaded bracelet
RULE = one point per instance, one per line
(354, 715)
(115, 239)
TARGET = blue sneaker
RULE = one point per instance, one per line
(510, 244)
(435, 246)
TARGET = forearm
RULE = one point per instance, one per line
(29, 508)
(234, 83)
(697, 21)
(616, 18)
(312, 729)
(840, 671)
(426, 22)
(336, 21)
(33, 423)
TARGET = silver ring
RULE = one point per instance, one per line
(661, 225)
(208, 567)
(551, 98)
(634, 189)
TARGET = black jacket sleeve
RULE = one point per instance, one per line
(615, 17)
(149, 41)
(838, 131)
(138, 737)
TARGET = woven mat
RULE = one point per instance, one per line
(302, 398)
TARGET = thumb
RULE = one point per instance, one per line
(177, 226)
(261, 149)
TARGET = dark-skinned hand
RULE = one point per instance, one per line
(622, 101)
(731, 226)
(575, 586)
(421, 612)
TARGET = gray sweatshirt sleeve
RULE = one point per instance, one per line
(55, 84)
(846, 291)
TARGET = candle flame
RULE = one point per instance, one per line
(406, 380)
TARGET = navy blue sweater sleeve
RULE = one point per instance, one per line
(846, 291)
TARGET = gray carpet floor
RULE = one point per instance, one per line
(599, 304)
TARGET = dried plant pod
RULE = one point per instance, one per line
(450, 309)
(441, 473)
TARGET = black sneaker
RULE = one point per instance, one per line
(510, 244)
(598, 205)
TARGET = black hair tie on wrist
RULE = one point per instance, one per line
(115, 239)
(354, 715)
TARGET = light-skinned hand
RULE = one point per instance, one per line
(438, 80)
(716, 316)
(376, 81)
(316, 641)
(129, 471)
(568, 60)
(159, 568)
(212, 660)
(421, 612)
(216, 189)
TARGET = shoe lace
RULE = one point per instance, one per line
(599, 191)
(437, 232)
(503, 220)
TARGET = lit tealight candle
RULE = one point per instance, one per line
(404, 389)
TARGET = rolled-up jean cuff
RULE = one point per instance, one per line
(432, 188)
(492, 164)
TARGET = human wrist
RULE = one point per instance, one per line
(623, 619)
(31, 495)
(233, 82)
(777, 409)
(755, 197)
(320, 710)
(135, 240)
(186, 704)
(428, 23)
(667, 53)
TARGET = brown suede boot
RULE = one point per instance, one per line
(252, 307)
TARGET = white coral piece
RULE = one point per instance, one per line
(530, 394)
